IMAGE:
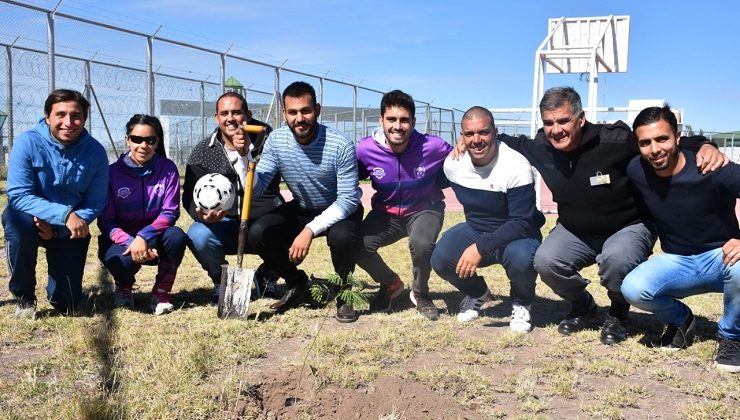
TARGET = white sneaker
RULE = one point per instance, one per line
(160, 304)
(412, 298)
(520, 319)
(470, 306)
(25, 310)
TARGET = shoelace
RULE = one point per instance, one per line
(520, 312)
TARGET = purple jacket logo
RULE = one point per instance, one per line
(419, 171)
(123, 192)
(378, 173)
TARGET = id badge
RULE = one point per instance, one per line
(600, 179)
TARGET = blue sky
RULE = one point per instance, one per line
(454, 54)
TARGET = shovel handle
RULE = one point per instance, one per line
(242, 241)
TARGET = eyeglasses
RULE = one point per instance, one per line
(150, 140)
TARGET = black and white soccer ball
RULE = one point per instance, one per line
(213, 192)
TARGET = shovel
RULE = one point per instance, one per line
(236, 283)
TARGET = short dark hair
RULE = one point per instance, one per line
(399, 99)
(245, 106)
(477, 112)
(298, 89)
(556, 97)
(654, 114)
(66, 95)
(143, 119)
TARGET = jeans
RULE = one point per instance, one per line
(563, 254)
(381, 229)
(210, 243)
(657, 284)
(273, 234)
(516, 257)
(170, 247)
(65, 259)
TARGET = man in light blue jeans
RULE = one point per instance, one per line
(698, 229)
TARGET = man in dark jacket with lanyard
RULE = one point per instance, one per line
(585, 165)
(213, 235)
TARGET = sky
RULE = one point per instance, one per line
(454, 54)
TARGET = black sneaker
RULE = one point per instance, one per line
(678, 337)
(265, 284)
(582, 310)
(728, 355)
(386, 295)
(293, 298)
(346, 313)
(613, 331)
(426, 307)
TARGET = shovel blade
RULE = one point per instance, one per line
(236, 291)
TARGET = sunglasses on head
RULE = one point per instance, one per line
(150, 140)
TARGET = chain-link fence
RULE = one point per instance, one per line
(48, 49)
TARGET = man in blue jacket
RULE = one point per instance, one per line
(57, 185)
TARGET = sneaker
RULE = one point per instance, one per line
(25, 309)
(470, 306)
(293, 298)
(520, 319)
(346, 313)
(123, 297)
(426, 308)
(265, 284)
(728, 355)
(582, 310)
(160, 303)
(215, 293)
(412, 298)
(386, 295)
(678, 337)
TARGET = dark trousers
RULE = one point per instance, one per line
(381, 229)
(65, 259)
(170, 247)
(273, 234)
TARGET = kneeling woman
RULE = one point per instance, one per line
(138, 224)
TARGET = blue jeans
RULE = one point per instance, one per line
(210, 243)
(65, 259)
(516, 257)
(657, 284)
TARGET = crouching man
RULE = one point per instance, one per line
(698, 230)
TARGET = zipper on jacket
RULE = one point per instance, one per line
(400, 194)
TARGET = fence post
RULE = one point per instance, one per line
(50, 48)
(278, 98)
(88, 92)
(354, 113)
(149, 75)
(321, 98)
(9, 104)
(202, 110)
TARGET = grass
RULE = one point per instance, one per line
(113, 363)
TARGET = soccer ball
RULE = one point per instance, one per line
(213, 192)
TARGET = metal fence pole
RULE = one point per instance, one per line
(202, 110)
(321, 98)
(149, 76)
(9, 104)
(51, 53)
(278, 98)
(88, 92)
(222, 82)
(354, 112)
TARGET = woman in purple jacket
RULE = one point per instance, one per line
(138, 223)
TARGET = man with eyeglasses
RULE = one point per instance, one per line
(584, 165)
(214, 234)
(57, 185)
